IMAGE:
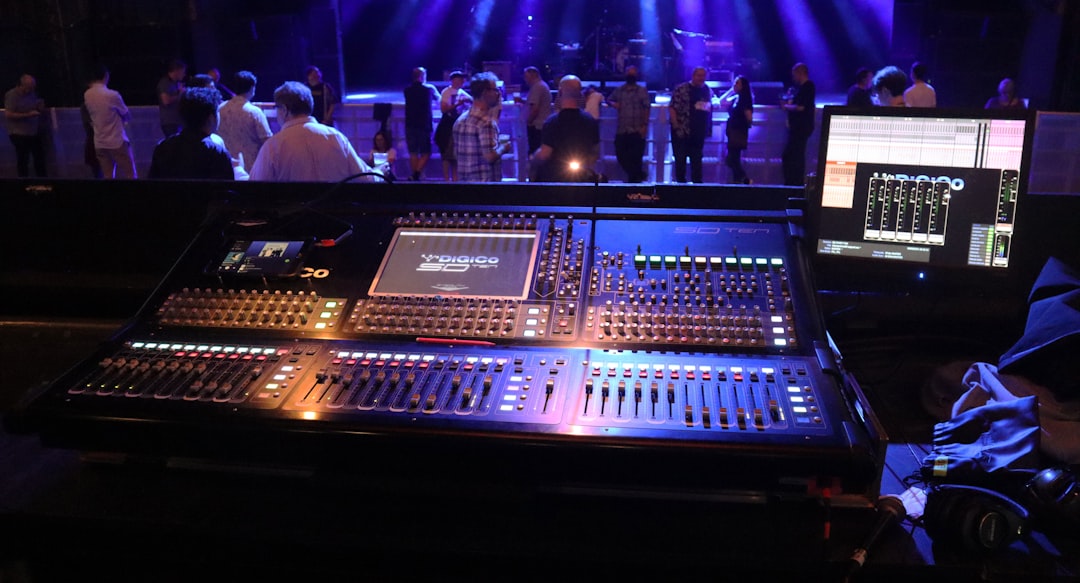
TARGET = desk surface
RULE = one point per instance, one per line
(63, 516)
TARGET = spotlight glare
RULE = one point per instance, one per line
(575, 165)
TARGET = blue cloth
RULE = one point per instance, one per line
(1051, 338)
(984, 442)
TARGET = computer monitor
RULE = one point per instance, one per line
(912, 200)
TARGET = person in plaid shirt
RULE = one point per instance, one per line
(691, 123)
(476, 135)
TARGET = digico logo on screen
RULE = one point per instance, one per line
(456, 263)
(954, 183)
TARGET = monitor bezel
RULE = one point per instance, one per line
(857, 274)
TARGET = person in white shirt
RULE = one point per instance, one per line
(593, 100)
(243, 125)
(108, 113)
(305, 150)
(453, 102)
(921, 93)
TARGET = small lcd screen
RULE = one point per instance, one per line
(446, 262)
(264, 258)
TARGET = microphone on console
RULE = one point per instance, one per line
(889, 508)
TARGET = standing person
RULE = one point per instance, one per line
(571, 139)
(169, 89)
(383, 156)
(243, 125)
(476, 135)
(323, 95)
(1006, 97)
(22, 113)
(859, 95)
(537, 107)
(419, 96)
(305, 150)
(691, 123)
(631, 102)
(453, 102)
(889, 84)
(921, 93)
(800, 105)
(89, 153)
(108, 113)
(215, 75)
(740, 105)
(593, 100)
(192, 153)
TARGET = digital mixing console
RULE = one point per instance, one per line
(593, 346)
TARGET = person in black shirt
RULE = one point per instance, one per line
(193, 152)
(800, 107)
(419, 97)
(739, 101)
(323, 94)
(858, 95)
(570, 140)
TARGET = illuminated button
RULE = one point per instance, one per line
(761, 261)
(799, 409)
(331, 305)
(320, 325)
(777, 319)
(639, 260)
(533, 311)
(732, 261)
(279, 377)
(780, 342)
(669, 260)
(777, 261)
(529, 333)
(700, 260)
(326, 315)
(531, 321)
(778, 330)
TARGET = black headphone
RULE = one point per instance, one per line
(972, 518)
(1055, 494)
(980, 520)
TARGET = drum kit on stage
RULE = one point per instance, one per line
(609, 50)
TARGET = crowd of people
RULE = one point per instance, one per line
(205, 135)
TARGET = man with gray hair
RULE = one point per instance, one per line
(305, 150)
(23, 111)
